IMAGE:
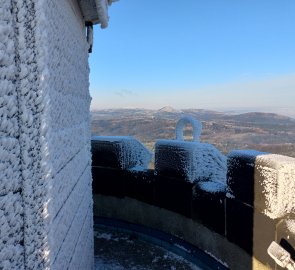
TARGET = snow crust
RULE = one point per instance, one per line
(9, 131)
(274, 181)
(275, 185)
(104, 17)
(45, 162)
(102, 10)
(212, 187)
(64, 136)
(186, 120)
(132, 154)
(290, 223)
(246, 153)
(202, 162)
(234, 160)
(11, 232)
(11, 203)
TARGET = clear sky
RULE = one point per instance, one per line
(195, 54)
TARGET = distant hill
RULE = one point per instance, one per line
(255, 130)
(263, 118)
(168, 109)
(251, 117)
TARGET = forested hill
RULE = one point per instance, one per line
(254, 130)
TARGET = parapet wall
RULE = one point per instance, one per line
(235, 222)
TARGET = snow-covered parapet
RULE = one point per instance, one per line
(240, 174)
(275, 185)
(124, 152)
(192, 161)
(265, 181)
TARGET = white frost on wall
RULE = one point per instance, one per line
(9, 131)
(290, 223)
(11, 232)
(275, 185)
(11, 203)
(45, 174)
(131, 153)
(201, 162)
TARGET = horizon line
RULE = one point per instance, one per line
(287, 111)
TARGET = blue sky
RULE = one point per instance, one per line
(195, 54)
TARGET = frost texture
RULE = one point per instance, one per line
(275, 185)
(202, 162)
(45, 184)
(274, 180)
(11, 202)
(236, 160)
(132, 154)
(196, 125)
(11, 232)
(290, 223)
(245, 153)
(102, 10)
(9, 130)
(212, 187)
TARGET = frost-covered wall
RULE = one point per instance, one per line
(45, 175)
(11, 202)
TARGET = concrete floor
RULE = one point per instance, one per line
(115, 250)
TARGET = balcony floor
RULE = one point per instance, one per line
(115, 250)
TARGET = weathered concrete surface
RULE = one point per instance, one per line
(115, 250)
(133, 211)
